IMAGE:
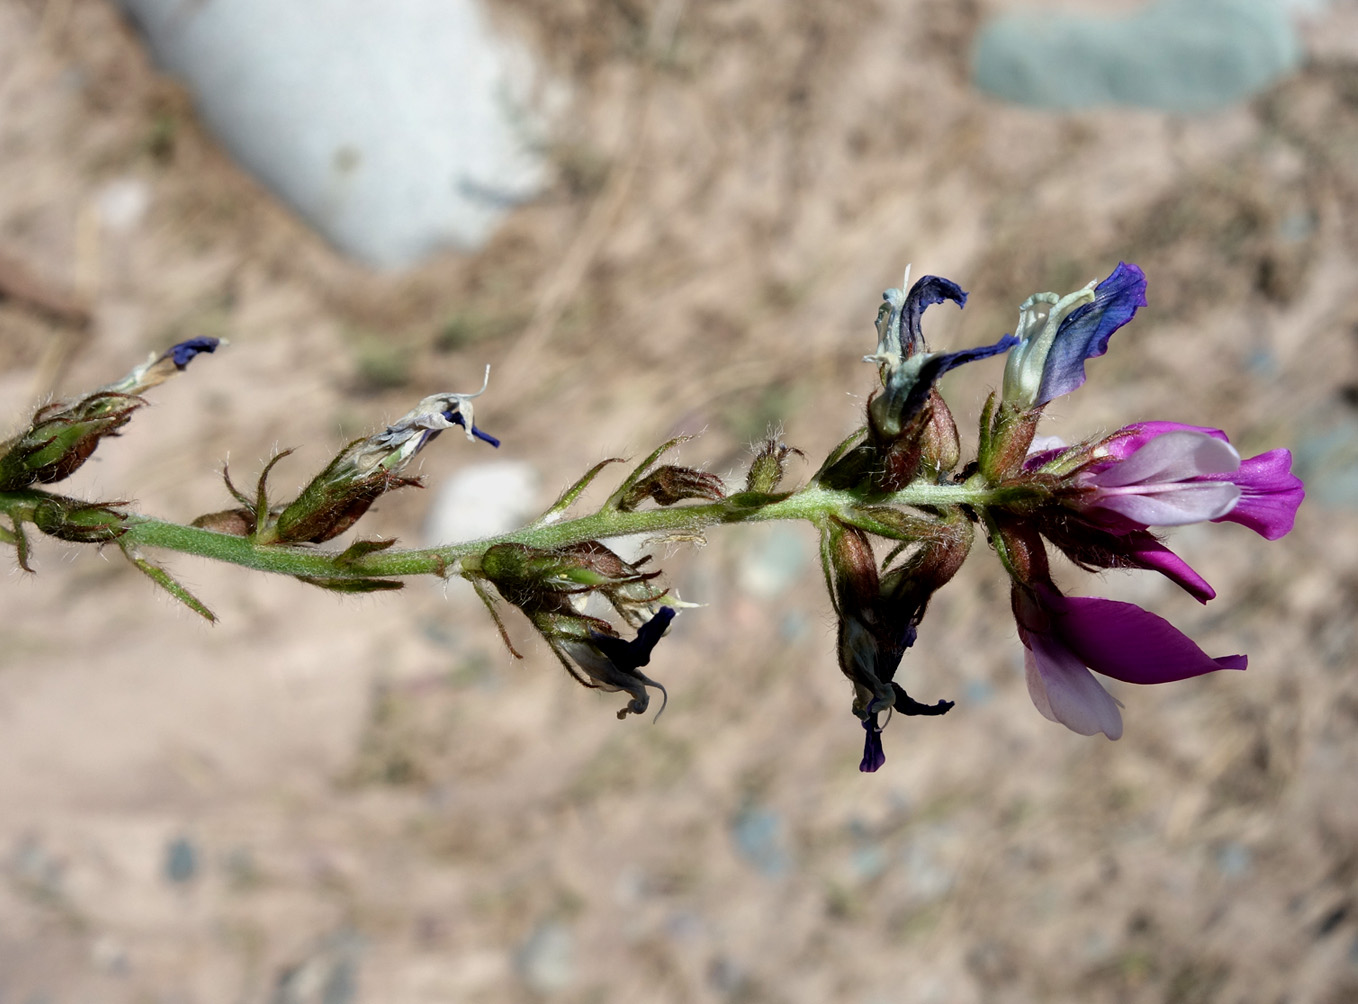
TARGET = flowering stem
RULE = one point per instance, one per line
(814, 503)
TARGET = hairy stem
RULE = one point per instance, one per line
(813, 503)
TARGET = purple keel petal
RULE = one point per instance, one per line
(1064, 691)
(1130, 644)
(873, 754)
(1148, 553)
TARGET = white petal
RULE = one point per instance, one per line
(1181, 504)
(1174, 456)
(1065, 691)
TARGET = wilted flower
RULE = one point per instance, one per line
(614, 664)
(908, 370)
(1059, 333)
(61, 437)
(878, 620)
(368, 468)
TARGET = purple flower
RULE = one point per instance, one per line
(1169, 474)
(1060, 333)
(1066, 636)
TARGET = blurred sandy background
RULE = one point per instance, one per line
(325, 800)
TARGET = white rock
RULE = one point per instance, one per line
(395, 128)
(481, 500)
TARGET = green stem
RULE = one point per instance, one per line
(814, 503)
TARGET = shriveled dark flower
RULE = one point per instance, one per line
(368, 468)
(62, 436)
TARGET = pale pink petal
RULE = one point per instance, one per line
(1127, 643)
(1126, 441)
(1064, 691)
(1173, 456)
(1177, 504)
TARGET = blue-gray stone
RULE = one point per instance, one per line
(758, 834)
(392, 127)
(1326, 459)
(1173, 55)
(181, 860)
(546, 960)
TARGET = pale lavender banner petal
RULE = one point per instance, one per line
(1169, 457)
(1187, 502)
(1064, 691)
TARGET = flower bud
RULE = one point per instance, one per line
(669, 484)
(766, 470)
(62, 437)
(77, 521)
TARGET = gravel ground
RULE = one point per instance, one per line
(326, 800)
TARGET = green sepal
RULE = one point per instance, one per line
(839, 452)
(568, 498)
(489, 601)
(261, 501)
(359, 550)
(171, 585)
(19, 539)
(340, 584)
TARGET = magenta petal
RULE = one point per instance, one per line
(1130, 644)
(1150, 554)
(1270, 494)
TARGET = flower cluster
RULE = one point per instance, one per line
(898, 484)
(1097, 502)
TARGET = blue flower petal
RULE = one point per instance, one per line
(456, 418)
(935, 366)
(929, 290)
(185, 351)
(873, 754)
(1085, 332)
